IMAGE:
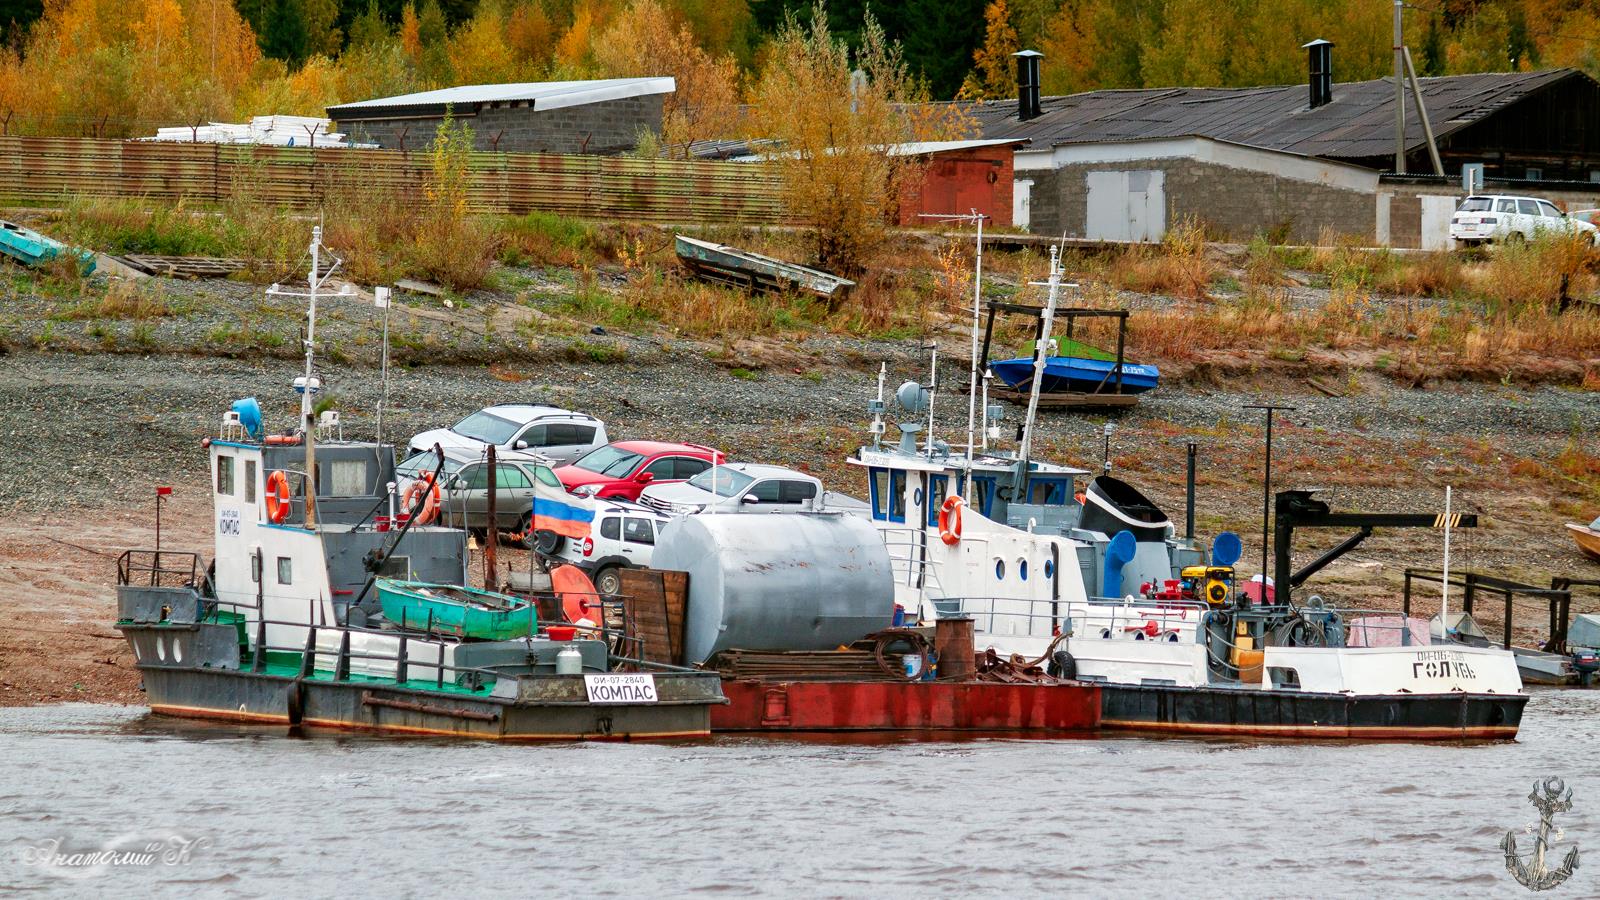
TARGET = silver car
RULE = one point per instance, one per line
(558, 434)
(465, 499)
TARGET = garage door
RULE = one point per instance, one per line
(1126, 206)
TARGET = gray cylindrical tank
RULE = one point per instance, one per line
(781, 581)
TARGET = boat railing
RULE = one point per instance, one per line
(158, 568)
(1115, 618)
(907, 561)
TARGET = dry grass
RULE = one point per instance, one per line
(1180, 265)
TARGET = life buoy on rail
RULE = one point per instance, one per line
(423, 486)
(277, 496)
(950, 520)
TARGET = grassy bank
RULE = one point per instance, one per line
(1201, 310)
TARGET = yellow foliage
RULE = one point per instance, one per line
(644, 40)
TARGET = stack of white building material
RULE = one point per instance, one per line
(276, 131)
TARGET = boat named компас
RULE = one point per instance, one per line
(285, 625)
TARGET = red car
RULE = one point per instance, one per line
(622, 469)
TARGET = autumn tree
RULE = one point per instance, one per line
(992, 64)
(645, 41)
(835, 134)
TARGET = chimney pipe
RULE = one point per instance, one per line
(1028, 84)
(1320, 64)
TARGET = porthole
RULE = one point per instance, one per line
(161, 649)
(177, 650)
(1022, 569)
(1049, 568)
(916, 497)
(1000, 570)
(1105, 634)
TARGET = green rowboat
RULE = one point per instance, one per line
(469, 612)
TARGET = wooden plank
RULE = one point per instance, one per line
(644, 594)
(1068, 399)
(676, 588)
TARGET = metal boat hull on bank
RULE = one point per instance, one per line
(899, 706)
(1280, 713)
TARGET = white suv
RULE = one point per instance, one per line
(1481, 219)
(557, 434)
(623, 536)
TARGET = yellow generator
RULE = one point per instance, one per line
(1212, 584)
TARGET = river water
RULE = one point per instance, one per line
(247, 812)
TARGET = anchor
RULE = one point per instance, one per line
(1533, 874)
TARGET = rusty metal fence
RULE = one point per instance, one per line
(48, 171)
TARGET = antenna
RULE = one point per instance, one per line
(1266, 491)
(1048, 314)
(972, 215)
(1444, 580)
(309, 384)
(933, 388)
(876, 407)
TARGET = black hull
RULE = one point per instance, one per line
(246, 697)
(1277, 713)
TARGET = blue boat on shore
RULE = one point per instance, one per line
(32, 248)
(1076, 374)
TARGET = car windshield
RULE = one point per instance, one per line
(425, 461)
(609, 460)
(1475, 204)
(729, 483)
(484, 427)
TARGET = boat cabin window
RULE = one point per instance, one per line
(611, 527)
(348, 477)
(938, 488)
(638, 531)
(983, 492)
(889, 494)
(255, 567)
(225, 475)
(1283, 677)
(396, 567)
(249, 481)
(1048, 491)
(285, 570)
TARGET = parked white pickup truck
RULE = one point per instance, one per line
(748, 488)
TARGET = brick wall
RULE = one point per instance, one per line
(612, 126)
(1233, 203)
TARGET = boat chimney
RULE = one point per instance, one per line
(1028, 84)
(1320, 67)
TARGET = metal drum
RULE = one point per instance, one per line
(782, 581)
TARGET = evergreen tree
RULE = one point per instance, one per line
(283, 34)
(369, 29)
(1433, 58)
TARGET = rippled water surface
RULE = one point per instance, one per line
(1107, 816)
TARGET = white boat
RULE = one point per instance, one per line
(1092, 581)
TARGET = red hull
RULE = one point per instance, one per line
(903, 706)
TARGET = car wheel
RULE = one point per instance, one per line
(547, 543)
(608, 581)
(523, 525)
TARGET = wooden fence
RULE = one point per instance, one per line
(47, 171)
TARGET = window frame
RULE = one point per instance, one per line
(611, 528)
(225, 474)
(286, 570)
(250, 481)
(648, 529)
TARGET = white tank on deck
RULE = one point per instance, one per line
(785, 581)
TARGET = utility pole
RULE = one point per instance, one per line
(1399, 93)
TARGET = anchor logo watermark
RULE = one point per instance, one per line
(1531, 871)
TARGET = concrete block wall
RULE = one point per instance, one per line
(609, 127)
(1234, 204)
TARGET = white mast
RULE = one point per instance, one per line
(309, 384)
(972, 372)
(1049, 315)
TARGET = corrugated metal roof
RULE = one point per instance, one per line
(542, 95)
(1358, 123)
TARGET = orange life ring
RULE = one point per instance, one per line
(422, 486)
(950, 520)
(277, 496)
